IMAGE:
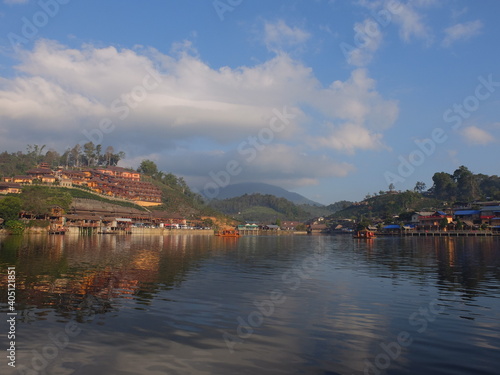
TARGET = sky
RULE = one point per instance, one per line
(331, 99)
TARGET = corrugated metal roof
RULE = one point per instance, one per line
(490, 208)
(392, 226)
(467, 212)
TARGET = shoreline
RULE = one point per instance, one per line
(72, 231)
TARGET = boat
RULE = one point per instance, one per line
(57, 231)
(228, 233)
(364, 234)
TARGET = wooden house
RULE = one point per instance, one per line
(10, 188)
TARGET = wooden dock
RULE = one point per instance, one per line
(458, 233)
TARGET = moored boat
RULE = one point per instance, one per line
(228, 233)
(57, 231)
(364, 234)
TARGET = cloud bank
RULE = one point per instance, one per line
(190, 116)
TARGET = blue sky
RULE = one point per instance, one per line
(330, 99)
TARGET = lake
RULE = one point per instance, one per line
(186, 304)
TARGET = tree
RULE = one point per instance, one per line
(76, 153)
(108, 153)
(170, 180)
(444, 186)
(64, 159)
(391, 187)
(467, 186)
(419, 187)
(15, 227)
(35, 152)
(52, 158)
(89, 152)
(443, 223)
(98, 154)
(115, 158)
(148, 168)
(10, 208)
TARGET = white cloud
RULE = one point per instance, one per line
(371, 41)
(279, 36)
(357, 101)
(462, 31)
(349, 137)
(477, 136)
(411, 22)
(60, 92)
(407, 16)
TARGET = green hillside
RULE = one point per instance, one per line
(177, 198)
(388, 205)
(259, 207)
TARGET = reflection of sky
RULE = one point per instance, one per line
(360, 296)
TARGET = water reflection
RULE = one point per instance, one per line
(156, 305)
(71, 273)
(60, 271)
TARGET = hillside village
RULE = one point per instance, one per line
(103, 199)
(111, 181)
(387, 212)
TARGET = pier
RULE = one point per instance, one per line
(451, 233)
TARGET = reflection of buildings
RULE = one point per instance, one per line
(63, 272)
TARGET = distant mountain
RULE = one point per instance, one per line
(259, 207)
(237, 190)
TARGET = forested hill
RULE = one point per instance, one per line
(461, 188)
(259, 207)
(177, 198)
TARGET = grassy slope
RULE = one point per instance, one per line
(77, 193)
(175, 201)
(262, 208)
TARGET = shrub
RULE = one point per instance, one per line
(16, 227)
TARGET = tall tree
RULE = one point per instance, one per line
(115, 158)
(89, 152)
(444, 186)
(76, 153)
(52, 158)
(108, 154)
(35, 152)
(490, 186)
(148, 167)
(467, 186)
(98, 154)
(419, 187)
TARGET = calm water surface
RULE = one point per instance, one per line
(254, 305)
